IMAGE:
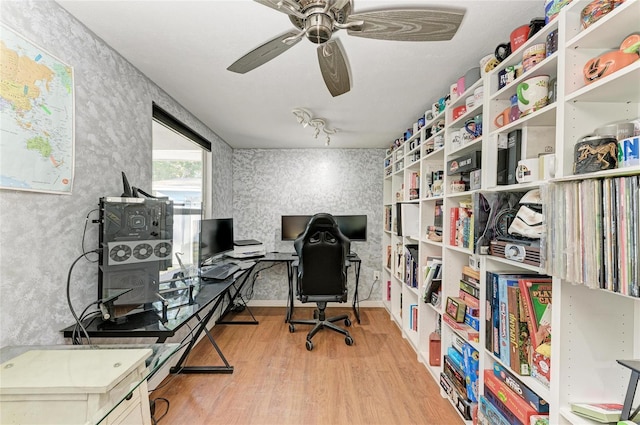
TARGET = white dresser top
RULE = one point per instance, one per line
(68, 371)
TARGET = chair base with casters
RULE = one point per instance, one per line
(321, 321)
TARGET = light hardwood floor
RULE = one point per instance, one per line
(378, 380)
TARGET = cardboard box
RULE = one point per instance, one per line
(541, 368)
(501, 407)
(488, 414)
(512, 402)
(464, 406)
(534, 400)
(475, 180)
(464, 163)
(456, 309)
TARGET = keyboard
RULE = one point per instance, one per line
(220, 271)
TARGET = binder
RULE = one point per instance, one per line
(409, 220)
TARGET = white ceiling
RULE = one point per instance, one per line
(186, 46)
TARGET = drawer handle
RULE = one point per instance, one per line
(129, 396)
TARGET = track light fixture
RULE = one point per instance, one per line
(305, 119)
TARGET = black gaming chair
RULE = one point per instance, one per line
(322, 273)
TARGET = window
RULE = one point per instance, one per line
(179, 158)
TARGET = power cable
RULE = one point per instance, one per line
(84, 233)
(73, 312)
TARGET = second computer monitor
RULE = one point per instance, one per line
(353, 227)
(216, 238)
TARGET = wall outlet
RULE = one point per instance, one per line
(376, 275)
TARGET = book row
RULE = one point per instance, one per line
(461, 313)
(461, 223)
(601, 235)
(518, 322)
(411, 273)
(460, 374)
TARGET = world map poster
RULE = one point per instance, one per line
(37, 110)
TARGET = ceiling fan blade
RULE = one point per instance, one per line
(334, 67)
(263, 54)
(288, 7)
(339, 4)
(407, 24)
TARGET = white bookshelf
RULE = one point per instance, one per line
(591, 327)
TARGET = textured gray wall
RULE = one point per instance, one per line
(268, 183)
(41, 234)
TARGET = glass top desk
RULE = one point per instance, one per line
(184, 299)
(291, 261)
(83, 384)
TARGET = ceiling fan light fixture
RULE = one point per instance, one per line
(302, 116)
(306, 119)
(319, 27)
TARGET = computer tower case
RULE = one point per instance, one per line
(136, 239)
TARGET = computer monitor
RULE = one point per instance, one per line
(353, 227)
(293, 225)
(216, 238)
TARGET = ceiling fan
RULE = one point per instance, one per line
(319, 19)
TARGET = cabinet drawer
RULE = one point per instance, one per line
(124, 408)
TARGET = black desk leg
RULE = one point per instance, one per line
(227, 368)
(356, 303)
(237, 294)
(289, 314)
(628, 400)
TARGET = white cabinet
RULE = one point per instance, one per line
(105, 386)
(591, 328)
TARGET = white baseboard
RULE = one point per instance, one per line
(283, 303)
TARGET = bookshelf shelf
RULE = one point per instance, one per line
(459, 249)
(574, 419)
(430, 242)
(616, 172)
(591, 327)
(434, 308)
(473, 145)
(459, 414)
(465, 194)
(520, 187)
(502, 262)
(435, 371)
(622, 85)
(606, 31)
(548, 65)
